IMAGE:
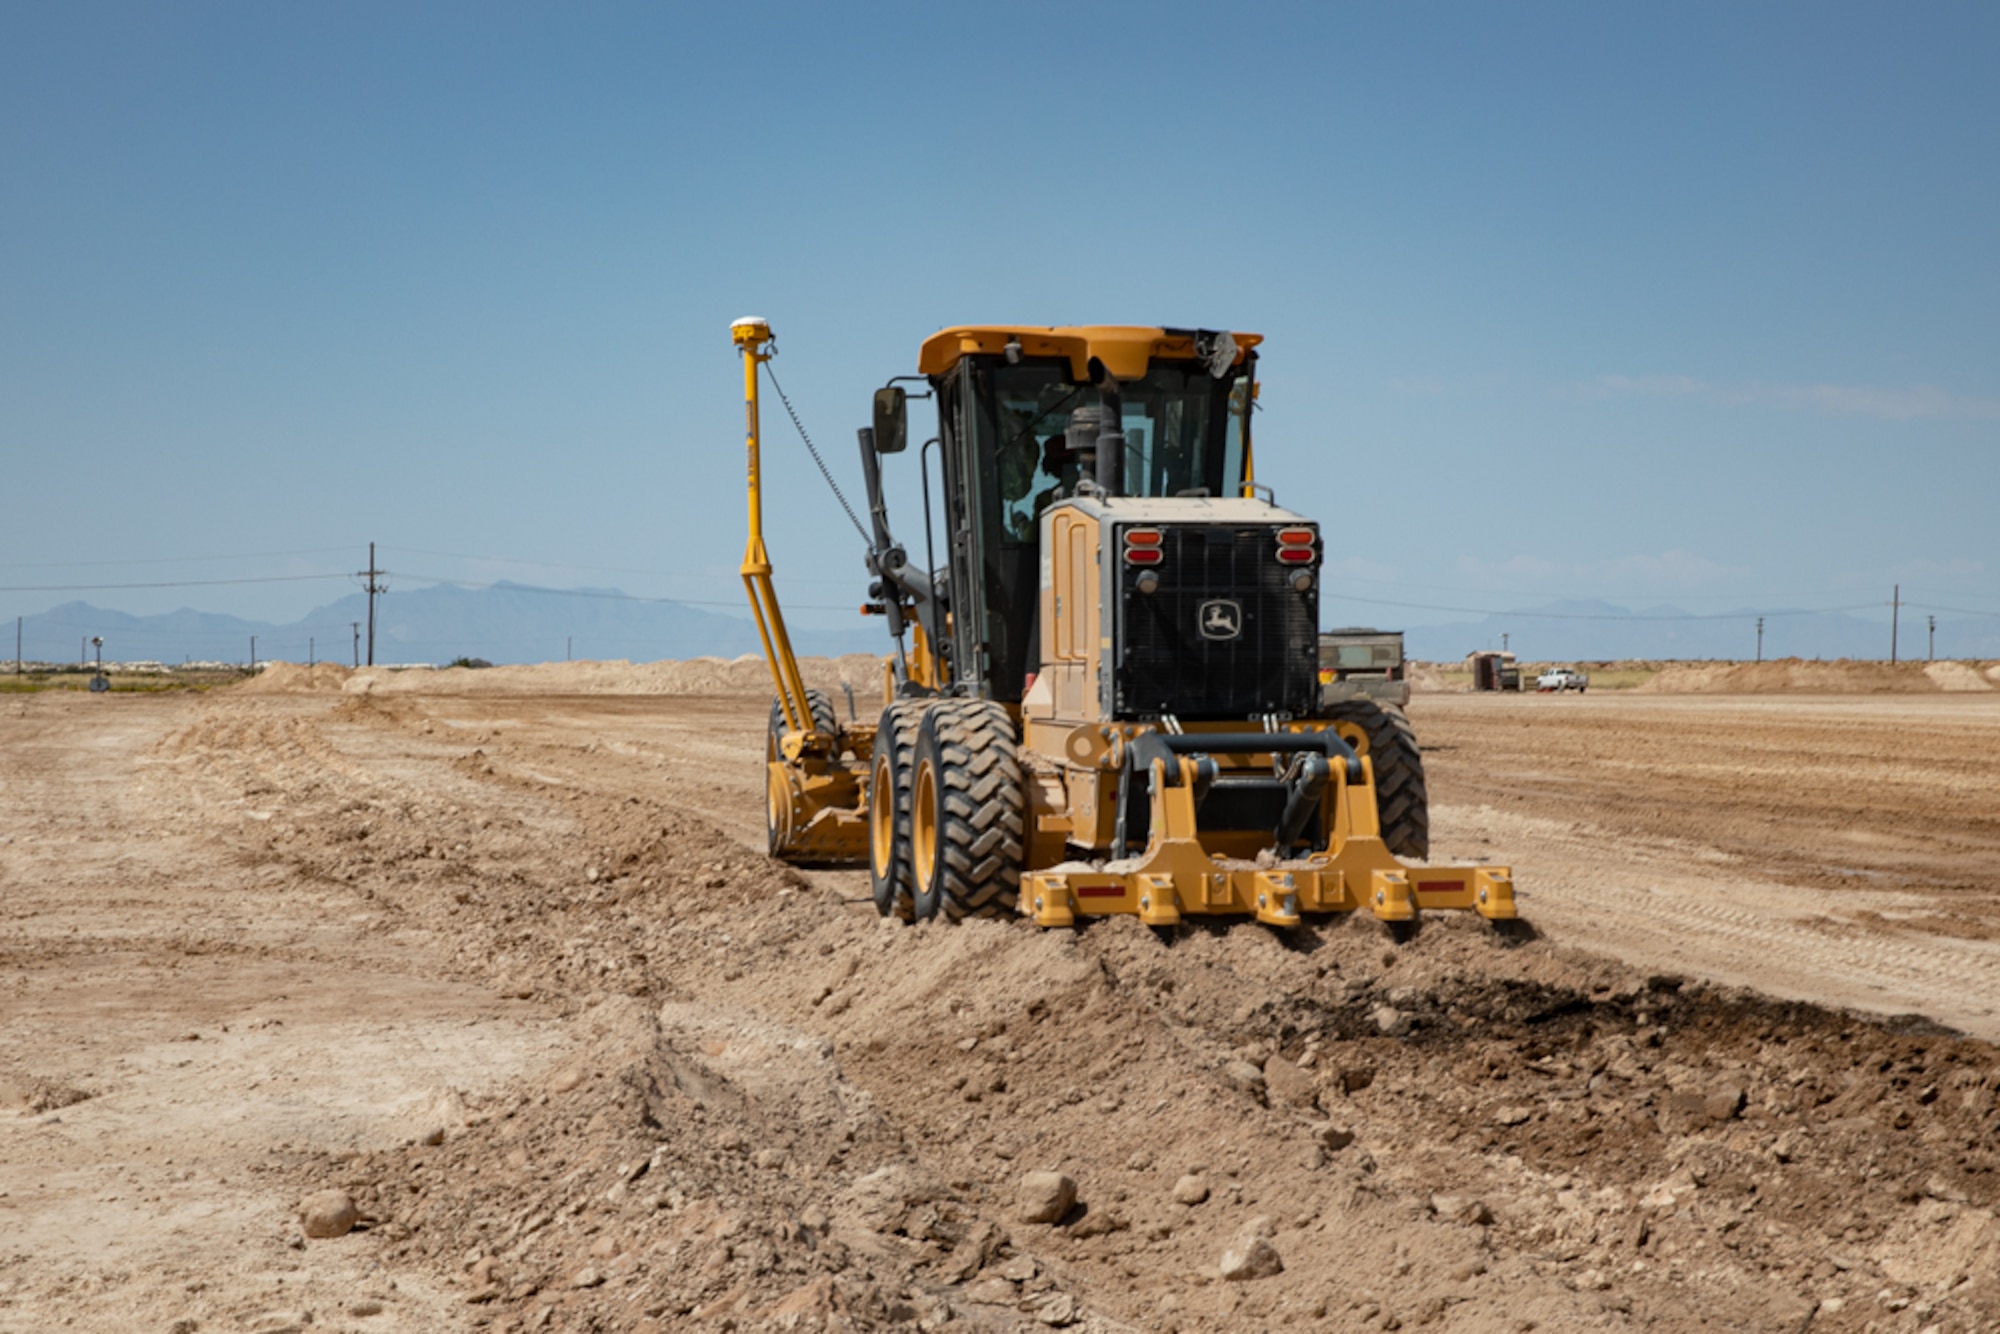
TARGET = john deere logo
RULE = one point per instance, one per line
(1221, 618)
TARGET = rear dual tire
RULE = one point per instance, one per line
(891, 780)
(968, 811)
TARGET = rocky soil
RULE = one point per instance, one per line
(495, 992)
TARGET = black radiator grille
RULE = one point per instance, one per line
(1164, 661)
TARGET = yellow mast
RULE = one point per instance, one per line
(751, 336)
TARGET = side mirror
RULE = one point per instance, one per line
(892, 420)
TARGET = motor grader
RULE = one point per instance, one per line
(1102, 695)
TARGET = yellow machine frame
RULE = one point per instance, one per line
(817, 784)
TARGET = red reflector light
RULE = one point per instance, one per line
(1148, 555)
(1142, 537)
(1297, 537)
(1289, 555)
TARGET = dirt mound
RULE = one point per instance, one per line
(1961, 676)
(691, 1162)
(1791, 676)
(295, 678)
(1427, 678)
(694, 676)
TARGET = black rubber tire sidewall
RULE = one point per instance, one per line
(894, 893)
(824, 720)
(1402, 798)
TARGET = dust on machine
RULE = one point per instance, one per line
(1103, 694)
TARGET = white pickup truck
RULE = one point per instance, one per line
(1562, 678)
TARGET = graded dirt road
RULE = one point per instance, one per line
(1844, 850)
(509, 970)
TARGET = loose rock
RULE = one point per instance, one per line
(1044, 1197)
(1245, 1078)
(1286, 1083)
(1057, 1309)
(1190, 1190)
(1020, 1269)
(1333, 1138)
(328, 1213)
(1251, 1255)
(1462, 1209)
(991, 1291)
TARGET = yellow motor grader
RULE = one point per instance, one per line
(1104, 698)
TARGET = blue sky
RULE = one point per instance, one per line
(1695, 304)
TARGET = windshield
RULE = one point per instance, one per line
(1183, 432)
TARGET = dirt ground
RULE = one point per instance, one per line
(507, 967)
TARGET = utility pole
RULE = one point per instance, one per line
(1503, 641)
(1760, 639)
(357, 642)
(568, 644)
(17, 646)
(310, 662)
(375, 587)
(1930, 654)
(253, 653)
(1895, 616)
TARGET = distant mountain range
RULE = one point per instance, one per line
(507, 623)
(511, 623)
(1599, 631)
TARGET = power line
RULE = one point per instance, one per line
(1600, 616)
(1344, 578)
(1956, 611)
(608, 595)
(162, 560)
(604, 569)
(169, 583)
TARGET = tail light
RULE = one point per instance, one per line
(1297, 546)
(1142, 546)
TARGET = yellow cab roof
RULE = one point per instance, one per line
(1125, 349)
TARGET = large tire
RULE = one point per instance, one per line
(777, 823)
(1402, 802)
(891, 772)
(824, 719)
(968, 810)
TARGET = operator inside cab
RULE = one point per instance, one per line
(1183, 434)
(1032, 479)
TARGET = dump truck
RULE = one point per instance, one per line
(1359, 663)
(1101, 694)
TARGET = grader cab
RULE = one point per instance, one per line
(1103, 695)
